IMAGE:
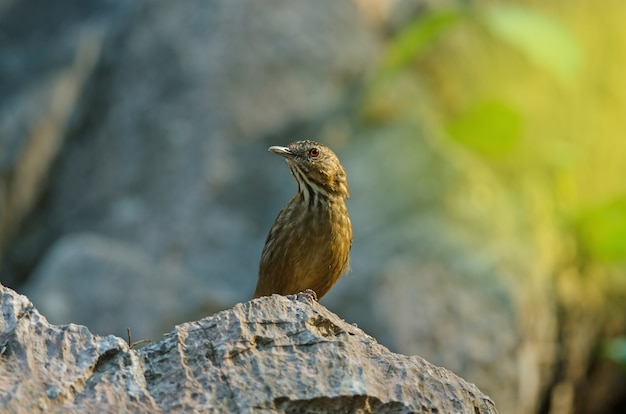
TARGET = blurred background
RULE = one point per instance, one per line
(484, 144)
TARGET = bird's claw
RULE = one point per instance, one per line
(307, 294)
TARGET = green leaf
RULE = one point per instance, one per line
(615, 350)
(603, 231)
(411, 42)
(542, 38)
(491, 128)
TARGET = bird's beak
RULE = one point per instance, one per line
(283, 151)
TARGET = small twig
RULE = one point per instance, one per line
(132, 344)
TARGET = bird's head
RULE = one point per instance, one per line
(316, 168)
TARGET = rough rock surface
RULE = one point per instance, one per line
(275, 354)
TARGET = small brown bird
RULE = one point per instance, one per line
(308, 247)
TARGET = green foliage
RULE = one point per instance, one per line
(413, 40)
(615, 350)
(603, 231)
(528, 121)
(490, 128)
(543, 39)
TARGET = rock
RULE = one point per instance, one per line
(109, 285)
(274, 354)
(49, 55)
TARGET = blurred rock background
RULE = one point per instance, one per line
(483, 142)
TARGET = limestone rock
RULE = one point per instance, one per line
(93, 280)
(48, 57)
(274, 354)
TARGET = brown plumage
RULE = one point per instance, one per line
(308, 246)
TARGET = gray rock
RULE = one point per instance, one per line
(109, 286)
(274, 354)
(49, 54)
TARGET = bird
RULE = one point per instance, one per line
(308, 246)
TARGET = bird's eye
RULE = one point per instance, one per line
(314, 152)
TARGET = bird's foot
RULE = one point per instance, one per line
(307, 294)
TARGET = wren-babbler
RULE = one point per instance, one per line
(308, 247)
